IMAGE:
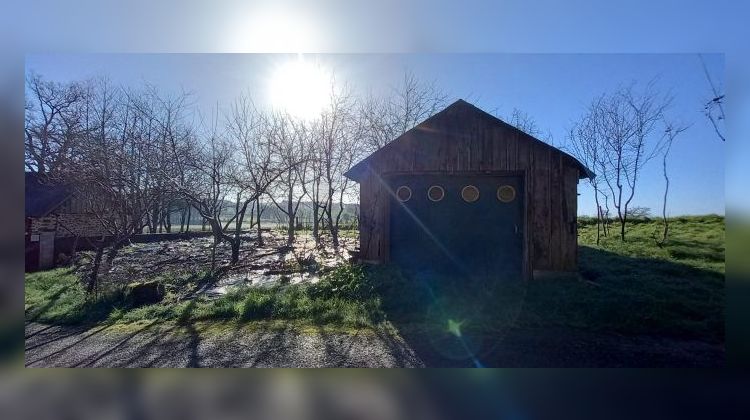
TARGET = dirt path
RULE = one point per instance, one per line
(150, 345)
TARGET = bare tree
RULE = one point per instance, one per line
(671, 131)
(386, 118)
(107, 174)
(108, 144)
(524, 122)
(165, 117)
(625, 124)
(205, 171)
(257, 164)
(337, 132)
(289, 138)
(53, 125)
(315, 181)
(587, 147)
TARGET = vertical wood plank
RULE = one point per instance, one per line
(556, 245)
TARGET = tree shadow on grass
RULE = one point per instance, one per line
(643, 311)
(38, 313)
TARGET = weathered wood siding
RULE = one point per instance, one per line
(463, 141)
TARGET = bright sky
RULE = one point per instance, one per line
(553, 89)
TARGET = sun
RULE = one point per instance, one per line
(300, 87)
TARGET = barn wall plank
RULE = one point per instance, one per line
(541, 215)
(365, 217)
(570, 209)
(556, 193)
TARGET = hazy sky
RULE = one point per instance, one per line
(553, 89)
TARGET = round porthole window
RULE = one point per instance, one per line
(435, 193)
(403, 193)
(470, 193)
(506, 193)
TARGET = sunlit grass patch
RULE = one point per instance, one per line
(58, 296)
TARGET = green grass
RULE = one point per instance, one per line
(57, 296)
(639, 287)
(631, 287)
(697, 241)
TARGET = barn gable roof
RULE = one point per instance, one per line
(42, 198)
(358, 171)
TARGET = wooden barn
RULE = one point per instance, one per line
(466, 192)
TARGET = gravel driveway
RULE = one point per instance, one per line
(155, 346)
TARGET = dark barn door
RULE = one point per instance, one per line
(463, 225)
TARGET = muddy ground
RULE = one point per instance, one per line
(269, 264)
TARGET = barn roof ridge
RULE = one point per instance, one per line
(355, 172)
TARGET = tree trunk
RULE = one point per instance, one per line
(167, 220)
(94, 275)
(236, 242)
(606, 216)
(337, 220)
(189, 211)
(182, 219)
(598, 215)
(257, 221)
(217, 234)
(290, 213)
(665, 233)
(236, 250)
(316, 223)
(331, 226)
(213, 255)
(154, 219)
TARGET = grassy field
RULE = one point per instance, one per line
(634, 287)
(638, 287)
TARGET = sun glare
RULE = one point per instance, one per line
(300, 87)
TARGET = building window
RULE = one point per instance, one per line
(506, 193)
(403, 193)
(470, 193)
(435, 193)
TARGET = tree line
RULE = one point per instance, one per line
(136, 155)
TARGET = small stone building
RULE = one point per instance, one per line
(465, 192)
(55, 219)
